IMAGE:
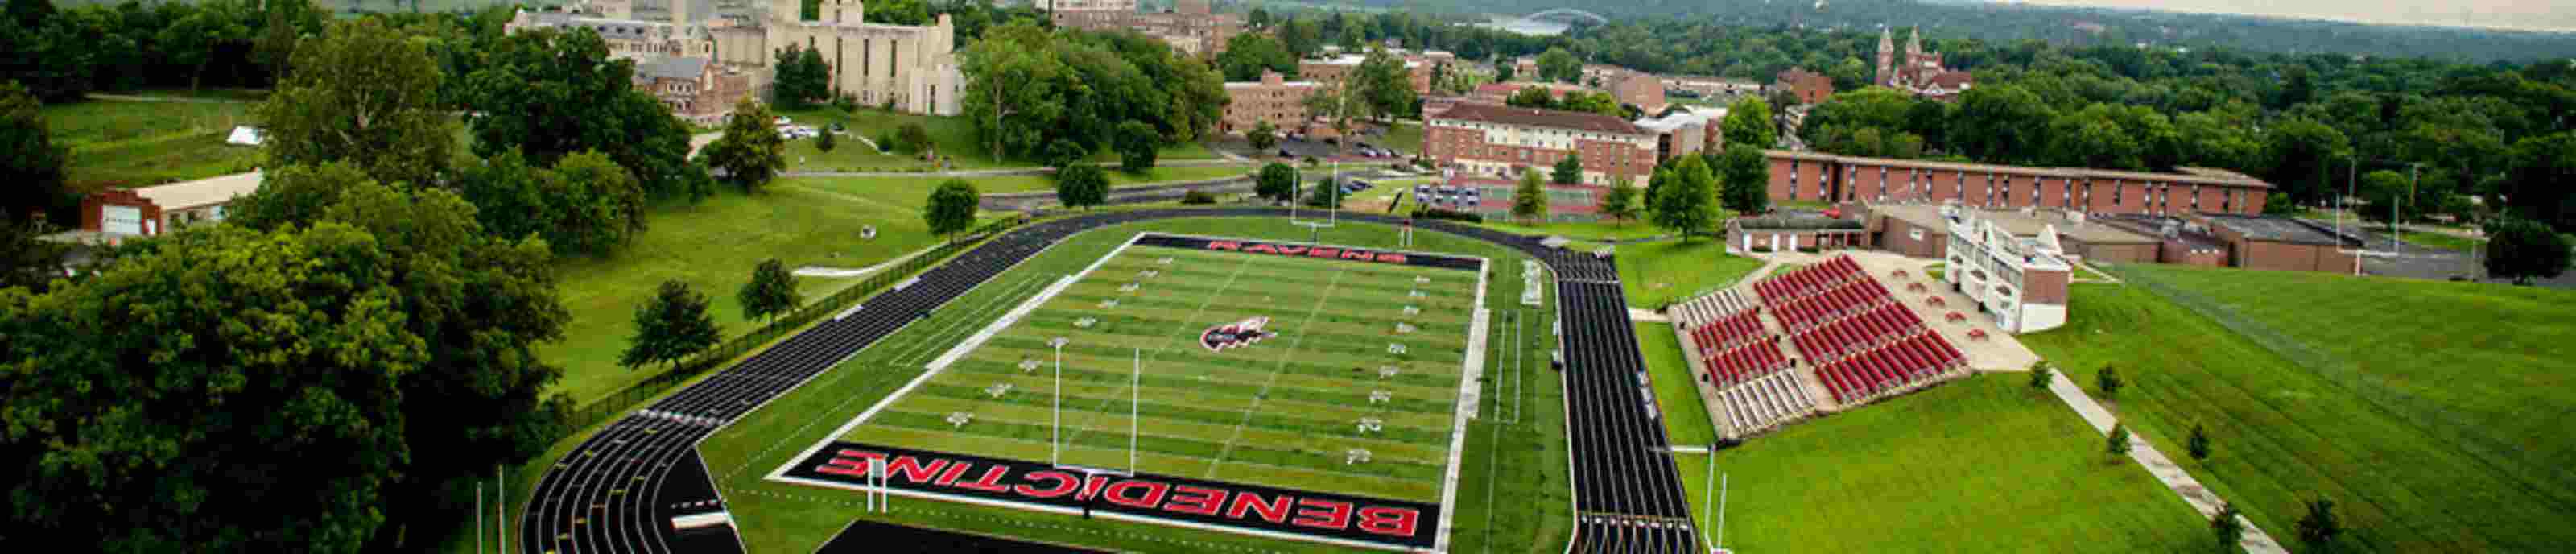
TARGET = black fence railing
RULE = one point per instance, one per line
(603, 408)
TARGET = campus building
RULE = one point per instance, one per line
(1923, 231)
(1273, 98)
(1922, 74)
(1191, 27)
(2019, 282)
(112, 215)
(1812, 176)
(2247, 241)
(1689, 130)
(694, 88)
(1502, 142)
(913, 67)
(1809, 87)
(1331, 71)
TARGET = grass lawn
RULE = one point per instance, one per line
(1593, 230)
(916, 190)
(713, 246)
(1676, 393)
(123, 144)
(1403, 137)
(954, 135)
(1982, 460)
(1512, 489)
(1658, 273)
(2432, 413)
(2443, 241)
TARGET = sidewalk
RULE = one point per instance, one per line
(2182, 483)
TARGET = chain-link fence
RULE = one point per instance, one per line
(618, 402)
(2451, 426)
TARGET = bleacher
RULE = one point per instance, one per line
(1765, 403)
(1860, 341)
(1743, 362)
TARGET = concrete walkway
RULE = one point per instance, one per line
(840, 272)
(1642, 315)
(2173, 476)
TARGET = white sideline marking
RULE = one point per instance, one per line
(906, 283)
(977, 340)
(854, 308)
(1102, 514)
(1470, 387)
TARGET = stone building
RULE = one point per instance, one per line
(1191, 27)
(914, 67)
(1273, 98)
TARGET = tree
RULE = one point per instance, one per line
(770, 293)
(1684, 205)
(191, 41)
(29, 160)
(480, 304)
(952, 207)
(824, 142)
(1620, 203)
(1385, 85)
(1999, 123)
(1326, 193)
(550, 94)
(897, 12)
(1748, 178)
(1081, 185)
(1066, 152)
(1531, 97)
(670, 327)
(1529, 199)
(750, 153)
(1748, 121)
(365, 94)
(2108, 381)
(2042, 376)
(1569, 171)
(2229, 530)
(2537, 177)
(2522, 249)
(1334, 104)
(593, 206)
(1137, 143)
(2300, 154)
(914, 137)
(2319, 528)
(1248, 54)
(801, 78)
(1257, 19)
(1263, 136)
(1595, 102)
(1651, 198)
(1011, 91)
(1559, 65)
(2198, 444)
(2383, 192)
(2118, 443)
(1276, 182)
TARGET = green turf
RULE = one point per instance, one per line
(121, 144)
(713, 247)
(955, 137)
(1983, 464)
(1403, 137)
(1657, 273)
(2433, 413)
(2444, 241)
(1280, 413)
(1591, 230)
(1512, 489)
(1676, 393)
(914, 191)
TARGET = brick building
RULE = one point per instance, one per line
(1922, 73)
(1689, 130)
(1191, 27)
(1501, 142)
(1273, 98)
(1809, 87)
(1331, 71)
(1922, 231)
(696, 89)
(2019, 282)
(1810, 176)
(114, 214)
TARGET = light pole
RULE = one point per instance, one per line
(1055, 427)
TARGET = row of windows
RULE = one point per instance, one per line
(2158, 194)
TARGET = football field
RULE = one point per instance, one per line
(1289, 370)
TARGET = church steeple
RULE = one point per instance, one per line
(1914, 45)
(1886, 56)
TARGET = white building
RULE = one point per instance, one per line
(2021, 283)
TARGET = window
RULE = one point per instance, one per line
(1916, 234)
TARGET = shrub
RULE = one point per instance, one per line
(1198, 197)
(2041, 376)
(2109, 382)
(1441, 214)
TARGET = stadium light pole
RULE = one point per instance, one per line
(1055, 429)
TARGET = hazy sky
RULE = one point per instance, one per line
(2559, 15)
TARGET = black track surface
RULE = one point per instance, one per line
(619, 490)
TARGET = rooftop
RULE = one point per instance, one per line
(202, 192)
(2187, 174)
(1685, 117)
(673, 67)
(2274, 229)
(1581, 121)
(2015, 222)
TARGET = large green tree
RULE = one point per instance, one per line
(1081, 186)
(2301, 156)
(1248, 54)
(750, 152)
(1137, 144)
(770, 293)
(1385, 84)
(2540, 180)
(2000, 123)
(1277, 181)
(1747, 177)
(951, 208)
(670, 326)
(1529, 198)
(1685, 204)
(1559, 65)
(1568, 171)
(2522, 249)
(551, 93)
(30, 164)
(1748, 121)
(801, 78)
(1620, 202)
(365, 94)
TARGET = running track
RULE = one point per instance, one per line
(619, 490)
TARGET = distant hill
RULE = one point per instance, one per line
(2069, 25)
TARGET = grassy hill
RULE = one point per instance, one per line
(1984, 461)
(2428, 411)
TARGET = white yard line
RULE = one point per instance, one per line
(1184, 325)
(1468, 390)
(1221, 453)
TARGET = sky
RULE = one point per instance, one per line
(2553, 15)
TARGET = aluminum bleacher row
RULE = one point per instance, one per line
(1863, 344)
(1743, 362)
(1765, 403)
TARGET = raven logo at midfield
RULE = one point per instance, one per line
(1230, 335)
